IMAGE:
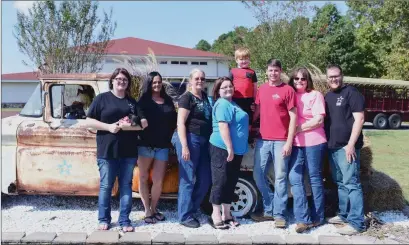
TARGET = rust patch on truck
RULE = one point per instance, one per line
(58, 170)
(43, 135)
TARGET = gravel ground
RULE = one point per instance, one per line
(79, 214)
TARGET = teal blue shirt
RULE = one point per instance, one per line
(238, 120)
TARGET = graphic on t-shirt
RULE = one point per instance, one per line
(276, 96)
(203, 106)
(339, 101)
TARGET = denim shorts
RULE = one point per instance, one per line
(161, 154)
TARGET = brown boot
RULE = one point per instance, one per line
(300, 228)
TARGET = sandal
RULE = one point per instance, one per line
(127, 229)
(219, 225)
(159, 216)
(231, 222)
(150, 219)
(103, 227)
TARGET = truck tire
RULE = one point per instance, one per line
(245, 203)
(395, 121)
(380, 121)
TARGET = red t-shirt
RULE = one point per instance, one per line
(275, 102)
(243, 80)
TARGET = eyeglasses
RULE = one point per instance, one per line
(200, 78)
(121, 79)
(300, 78)
(227, 87)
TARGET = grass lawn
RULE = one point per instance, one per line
(391, 155)
(11, 109)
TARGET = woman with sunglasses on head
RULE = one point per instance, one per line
(116, 149)
(194, 126)
(153, 149)
(308, 150)
(228, 144)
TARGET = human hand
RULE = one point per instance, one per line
(286, 151)
(230, 155)
(144, 123)
(185, 153)
(114, 127)
(350, 153)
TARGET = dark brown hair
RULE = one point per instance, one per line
(274, 62)
(217, 85)
(306, 74)
(331, 66)
(124, 72)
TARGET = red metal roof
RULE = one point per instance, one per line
(137, 46)
(20, 76)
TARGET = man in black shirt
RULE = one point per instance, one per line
(343, 126)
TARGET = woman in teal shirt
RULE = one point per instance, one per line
(228, 144)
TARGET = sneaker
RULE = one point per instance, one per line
(259, 217)
(193, 223)
(336, 220)
(347, 230)
(280, 223)
(300, 228)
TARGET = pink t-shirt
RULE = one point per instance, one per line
(309, 105)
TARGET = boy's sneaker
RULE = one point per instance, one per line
(336, 220)
(347, 230)
(280, 223)
(300, 228)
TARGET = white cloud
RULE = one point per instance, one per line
(23, 6)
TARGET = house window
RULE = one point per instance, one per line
(163, 62)
(183, 62)
(194, 63)
(203, 63)
(174, 62)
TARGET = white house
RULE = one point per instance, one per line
(175, 64)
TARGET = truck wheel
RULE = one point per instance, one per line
(395, 121)
(380, 121)
(247, 198)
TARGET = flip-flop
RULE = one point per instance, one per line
(219, 225)
(159, 216)
(231, 223)
(150, 219)
(125, 229)
(103, 227)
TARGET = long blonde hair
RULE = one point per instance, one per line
(195, 70)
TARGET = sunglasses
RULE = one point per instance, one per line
(300, 78)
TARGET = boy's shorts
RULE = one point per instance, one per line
(161, 154)
(245, 104)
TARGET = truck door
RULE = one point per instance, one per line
(56, 155)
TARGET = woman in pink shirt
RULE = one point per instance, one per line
(308, 149)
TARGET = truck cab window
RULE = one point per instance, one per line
(33, 107)
(76, 99)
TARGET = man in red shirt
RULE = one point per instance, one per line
(275, 104)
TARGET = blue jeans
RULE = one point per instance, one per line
(267, 150)
(109, 169)
(161, 154)
(194, 175)
(308, 159)
(347, 177)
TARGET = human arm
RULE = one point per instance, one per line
(225, 134)
(223, 113)
(181, 126)
(318, 113)
(95, 124)
(140, 110)
(291, 132)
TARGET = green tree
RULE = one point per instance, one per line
(203, 45)
(68, 36)
(383, 32)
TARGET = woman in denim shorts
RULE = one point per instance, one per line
(153, 148)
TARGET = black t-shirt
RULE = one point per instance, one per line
(199, 120)
(108, 108)
(339, 120)
(161, 123)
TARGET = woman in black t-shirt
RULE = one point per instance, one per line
(194, 129)
(153, 149)
(116, 149)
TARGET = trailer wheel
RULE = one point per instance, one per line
(380, 121)
(395, 121)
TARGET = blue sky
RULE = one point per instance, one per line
(181, 23)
